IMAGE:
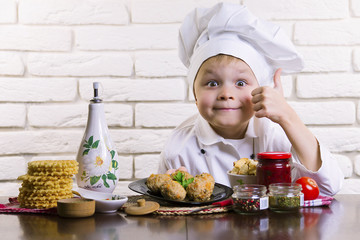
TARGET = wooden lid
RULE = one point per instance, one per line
(143, 207)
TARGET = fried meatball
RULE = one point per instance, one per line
(155, 181)
(173, 190)
(201, 188)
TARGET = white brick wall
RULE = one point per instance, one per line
(8, 11)
(34, 38)
(52, 50)
(332, 85)
(11, 64)
(37, 89)
(80, 64)
(69, 12)
(299, 9)
(162, 115)
(127, 37)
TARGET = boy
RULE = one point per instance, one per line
(233, 59)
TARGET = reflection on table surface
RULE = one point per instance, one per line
(338, 221)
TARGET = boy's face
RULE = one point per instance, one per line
(222, 90)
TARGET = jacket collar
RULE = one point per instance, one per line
(207, 136)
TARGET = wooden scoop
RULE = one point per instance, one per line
(78, 194)
(143, 207)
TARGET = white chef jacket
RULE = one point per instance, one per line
(196, 146)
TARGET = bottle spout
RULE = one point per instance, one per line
(96, 98)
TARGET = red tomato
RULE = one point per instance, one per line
(310, 188)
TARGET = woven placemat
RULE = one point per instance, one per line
(167, 208)
(13, 206)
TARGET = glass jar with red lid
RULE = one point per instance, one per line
(273, 167)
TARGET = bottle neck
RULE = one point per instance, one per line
(96, 114)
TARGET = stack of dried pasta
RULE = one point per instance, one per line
(46, 182)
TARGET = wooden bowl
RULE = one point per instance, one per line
(76, 207)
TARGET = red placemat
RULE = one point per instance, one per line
(14, 207)
(320, 201)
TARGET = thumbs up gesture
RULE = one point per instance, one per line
(269, 102)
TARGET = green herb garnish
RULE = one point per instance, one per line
(180, 178)
(240, 181)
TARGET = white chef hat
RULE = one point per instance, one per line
(232, 30)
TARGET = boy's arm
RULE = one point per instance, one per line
(269, 102)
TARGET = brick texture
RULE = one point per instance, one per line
(339, 112)
(356, 60)
(347, 138)
(12, 167)
(300, 9)
(127, 37)
(146, 164)
(345, 165)
(327, 85)
(51, 55)
(160, 115)
(162, 62)
(134, 90)
(342, 32)
(71, 115)
(37, 89)
(8, 11)
(12, 115)
(11, 64)
(162, 11)
(326, 59)
(82, 64)
(355, 8)
(72, 12)
(35, 38)
(357, 165)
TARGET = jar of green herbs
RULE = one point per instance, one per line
(285, 197)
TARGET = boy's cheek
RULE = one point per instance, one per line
(249, 100)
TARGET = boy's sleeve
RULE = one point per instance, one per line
(329, 177)
(163, 165)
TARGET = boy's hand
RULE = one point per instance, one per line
(171, 171)
(270, 102)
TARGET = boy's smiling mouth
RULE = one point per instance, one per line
(226, 109)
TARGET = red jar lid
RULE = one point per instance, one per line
(274, 155)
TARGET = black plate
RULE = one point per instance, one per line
(221, 192)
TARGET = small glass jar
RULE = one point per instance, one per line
(285, 197)
(273, 167)
(250, 198)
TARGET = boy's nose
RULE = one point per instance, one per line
(226, 94)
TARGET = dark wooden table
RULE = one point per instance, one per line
(341, 220)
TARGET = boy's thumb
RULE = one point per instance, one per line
(277, 80)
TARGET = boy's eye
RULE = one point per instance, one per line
(212, 84)
(240, 83)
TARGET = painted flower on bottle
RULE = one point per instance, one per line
(99, 163)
